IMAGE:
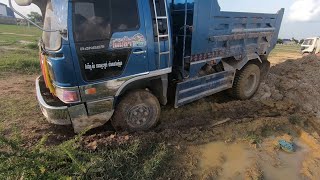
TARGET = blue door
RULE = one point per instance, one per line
(110, 38)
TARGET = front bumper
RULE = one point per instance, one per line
(83, 116)
(56, 113)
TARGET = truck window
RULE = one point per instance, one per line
(308, 42)
(98, 20)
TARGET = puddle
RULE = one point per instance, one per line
(232, 159)
(241, 160)
(283, 165)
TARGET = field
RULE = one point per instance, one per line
(213, 138)
(284, 52)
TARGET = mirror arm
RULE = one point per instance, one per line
(24, 17)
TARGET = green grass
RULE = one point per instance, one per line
(12, 35)
(20, 29)
(19, 51)
(286, 49)
(10, 107)
(20, 61)
(135, 160)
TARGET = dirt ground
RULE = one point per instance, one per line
(216, 137)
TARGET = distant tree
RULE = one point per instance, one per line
(35, 17)
(294, 40)
(301, 41)
(280, 41)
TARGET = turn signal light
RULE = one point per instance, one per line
(68, 96)
(91, 91)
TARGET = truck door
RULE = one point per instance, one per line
(110, 38)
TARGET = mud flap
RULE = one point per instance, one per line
(195, 89)
(264, 68)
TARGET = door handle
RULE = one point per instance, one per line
(139, 52)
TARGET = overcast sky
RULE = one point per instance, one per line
(302, 17)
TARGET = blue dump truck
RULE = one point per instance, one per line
(118, 60)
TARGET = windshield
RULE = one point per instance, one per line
(308, 42)
(97, 20)
(55, 19)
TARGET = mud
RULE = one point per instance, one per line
(243, 160)
(222, 156)
(296, 82)
(286, 105)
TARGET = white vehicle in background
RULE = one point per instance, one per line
(311, 46)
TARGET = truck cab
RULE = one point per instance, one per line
(310, 46)
(98, 55)
(117, 60)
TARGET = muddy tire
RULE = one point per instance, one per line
(246, 82)
(137, 111)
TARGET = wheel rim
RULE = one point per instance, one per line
(250, 84)
(139, 116)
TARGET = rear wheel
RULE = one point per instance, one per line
(137, 111)
(246, 82)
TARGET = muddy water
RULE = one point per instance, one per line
(231, 159)
(282, 165)
(237, 160)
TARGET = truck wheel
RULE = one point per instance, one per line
(137, 111)
(246, 82)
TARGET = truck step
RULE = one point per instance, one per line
(162, 17)
(163, 53)
(195, 89)
(164, 36)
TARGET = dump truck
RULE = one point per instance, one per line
(310, 46)
(121, 60)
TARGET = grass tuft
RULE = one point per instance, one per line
(33, 46)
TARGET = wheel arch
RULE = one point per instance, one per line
(157, 85)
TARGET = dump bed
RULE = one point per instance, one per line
(212, 34)
(204, 36)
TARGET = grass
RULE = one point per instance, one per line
(286, 49)
(282, 53)
(21, 61)
(20, 29)
(135, 160)
(10, 111)
(19, 49)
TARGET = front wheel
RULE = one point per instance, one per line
(138, 110)
(246, 82)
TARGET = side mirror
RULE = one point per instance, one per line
(23, 2)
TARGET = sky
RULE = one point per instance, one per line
(301, 20)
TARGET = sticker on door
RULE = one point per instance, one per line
(138, 40)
